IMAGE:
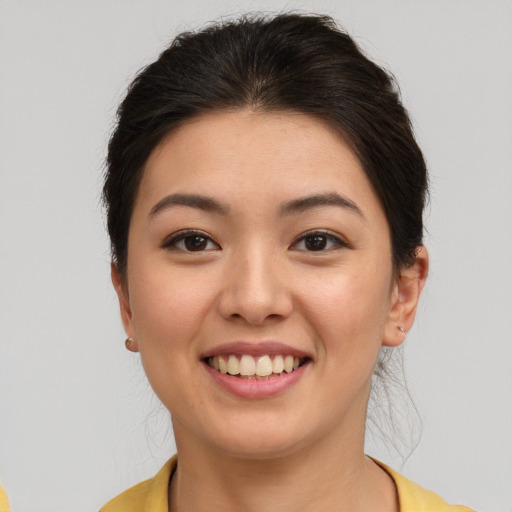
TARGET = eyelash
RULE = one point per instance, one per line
(336, 241)
(172, 242)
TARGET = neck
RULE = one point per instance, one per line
(323, 476)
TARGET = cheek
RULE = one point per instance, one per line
(168, 310)
(168, 307)
(349, 309)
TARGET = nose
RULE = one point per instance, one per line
(256, 289)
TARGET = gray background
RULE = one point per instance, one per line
(78, 422)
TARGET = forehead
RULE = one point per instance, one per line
(249, 154)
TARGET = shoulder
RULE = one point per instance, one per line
(413, 498)
(150, 495)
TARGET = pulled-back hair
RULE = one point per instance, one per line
(288, 62)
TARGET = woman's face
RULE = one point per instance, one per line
(257, 241)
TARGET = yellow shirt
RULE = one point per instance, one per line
(4, 502)
(151, 495)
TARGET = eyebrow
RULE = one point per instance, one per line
(309, 202)
(205, 203)
(295, 206)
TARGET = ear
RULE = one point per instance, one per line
(124, 305)
(404, 299)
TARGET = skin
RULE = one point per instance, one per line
(256, 280)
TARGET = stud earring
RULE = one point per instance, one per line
(400, 328)
(129, 344)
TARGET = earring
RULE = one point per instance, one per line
(400, 328)
(128, 343)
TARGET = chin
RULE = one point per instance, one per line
(264, 449)
(259, 439)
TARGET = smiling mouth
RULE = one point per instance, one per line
(256, 368)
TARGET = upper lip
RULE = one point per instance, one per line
(255, 349)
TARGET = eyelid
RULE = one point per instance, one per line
(170, 241)
(339, 241)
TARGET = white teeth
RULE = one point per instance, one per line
(264, 366)
(247, 365)
(233, 365)
(278, 364)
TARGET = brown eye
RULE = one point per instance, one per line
(190, 242)
(195, 243)
(318, 242)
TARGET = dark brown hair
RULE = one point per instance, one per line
(288, 62)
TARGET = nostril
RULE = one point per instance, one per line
(254, 319)
(255, 296)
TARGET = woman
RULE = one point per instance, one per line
(265, 194)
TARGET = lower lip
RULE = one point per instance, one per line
(253, 389)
